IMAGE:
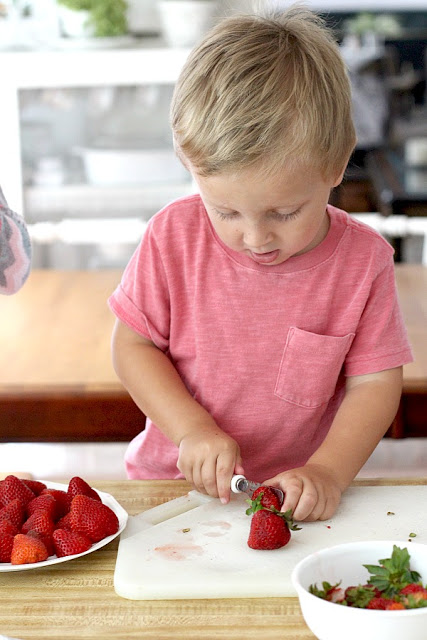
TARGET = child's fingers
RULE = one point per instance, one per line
(208, 476)
(225, 466)
(307, 502)
(292, 490)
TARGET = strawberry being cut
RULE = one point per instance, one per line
(79, 487)
(27, 550)
(68, 543)
(270, 528)
(92, 518)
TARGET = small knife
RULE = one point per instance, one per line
(239, 484)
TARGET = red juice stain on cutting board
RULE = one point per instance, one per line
(179, 551)
(217, 528)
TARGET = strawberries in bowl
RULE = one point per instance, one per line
(364, 590)
(44, 523)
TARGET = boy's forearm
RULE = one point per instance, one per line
(363, 418)
(157, 389)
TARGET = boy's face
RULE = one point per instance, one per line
(269, 219)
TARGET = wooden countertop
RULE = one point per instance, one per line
(411, 280)
(56, 332)
(76, 599)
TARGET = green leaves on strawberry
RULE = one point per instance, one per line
(392, 586)
(392, 574)
(360, 596)
(256, 504)
(270, 528)
(327, 590)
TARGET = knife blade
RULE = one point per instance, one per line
(240, 484)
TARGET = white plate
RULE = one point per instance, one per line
(106, 499)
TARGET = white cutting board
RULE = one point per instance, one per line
(196, 547)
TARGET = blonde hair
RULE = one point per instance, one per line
(270, 90)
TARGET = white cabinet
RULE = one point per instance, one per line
(21, 71)
(79, 224)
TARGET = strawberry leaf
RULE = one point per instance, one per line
(326, 590)
(255, 505)
(392, 574)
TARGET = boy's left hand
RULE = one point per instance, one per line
(311, 491)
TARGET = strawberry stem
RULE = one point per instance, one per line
(256, 505)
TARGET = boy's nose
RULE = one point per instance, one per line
(256, 237)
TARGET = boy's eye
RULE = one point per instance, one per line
(274, 215)
(283, 217)
(229, 215)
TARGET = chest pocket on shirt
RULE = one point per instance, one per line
(310, 367)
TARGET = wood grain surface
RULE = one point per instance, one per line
(76, 599)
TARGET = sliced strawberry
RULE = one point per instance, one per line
(14, 512)
(6, 544)
(68, 543)
(92, 518)
(39, 521)
(12, 488)
(79, 487)
(27, 549)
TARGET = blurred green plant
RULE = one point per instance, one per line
(106, 17)
(364, 22)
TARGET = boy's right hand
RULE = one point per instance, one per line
(209, 459)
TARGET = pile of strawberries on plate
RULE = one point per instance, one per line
(37, 522)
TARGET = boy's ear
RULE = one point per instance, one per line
(339, 178)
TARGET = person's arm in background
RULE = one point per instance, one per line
(15, 249)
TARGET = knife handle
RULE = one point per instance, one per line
(239, 484)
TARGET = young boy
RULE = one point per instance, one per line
(15, 250)
(258, 327)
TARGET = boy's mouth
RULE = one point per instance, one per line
(265, 258)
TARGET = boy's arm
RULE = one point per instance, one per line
(370, 404)
(208, 457)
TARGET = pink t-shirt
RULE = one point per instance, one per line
(265, 349)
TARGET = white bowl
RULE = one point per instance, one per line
(131, 166)
(329, 621)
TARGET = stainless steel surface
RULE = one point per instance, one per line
(247, 486)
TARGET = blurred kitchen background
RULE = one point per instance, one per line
(86, 151)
